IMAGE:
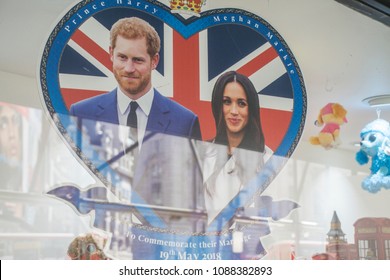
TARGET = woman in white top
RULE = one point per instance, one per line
(240, 153)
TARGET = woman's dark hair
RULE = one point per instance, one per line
(253, 137)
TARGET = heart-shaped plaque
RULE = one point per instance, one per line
(167, 213)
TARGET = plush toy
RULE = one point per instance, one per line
(331, 116)
(375, 144)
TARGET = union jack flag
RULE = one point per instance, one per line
(187, 70)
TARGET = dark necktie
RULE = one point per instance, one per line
(132, 120)
(132, 117)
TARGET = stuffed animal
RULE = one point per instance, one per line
(332, 116)
(375, 144)
(87, 247)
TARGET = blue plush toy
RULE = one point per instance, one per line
(375, 143)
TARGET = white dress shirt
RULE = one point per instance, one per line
(143, 111)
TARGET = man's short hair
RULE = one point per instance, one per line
(136, 28)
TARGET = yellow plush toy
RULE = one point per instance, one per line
(332, 116)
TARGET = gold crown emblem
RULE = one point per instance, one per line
(189, 7)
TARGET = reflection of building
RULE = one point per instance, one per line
(32, 225)
(163, 179)
(372, 236)
(372, 241)
(337, 247)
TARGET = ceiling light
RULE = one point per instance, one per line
(378, 100)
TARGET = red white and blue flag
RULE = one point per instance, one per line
(187, 70)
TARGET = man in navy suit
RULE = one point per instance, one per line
(134, 51)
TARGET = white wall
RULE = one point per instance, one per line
(20, 90)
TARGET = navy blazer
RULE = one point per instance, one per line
(166, 115)
(166, 118)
